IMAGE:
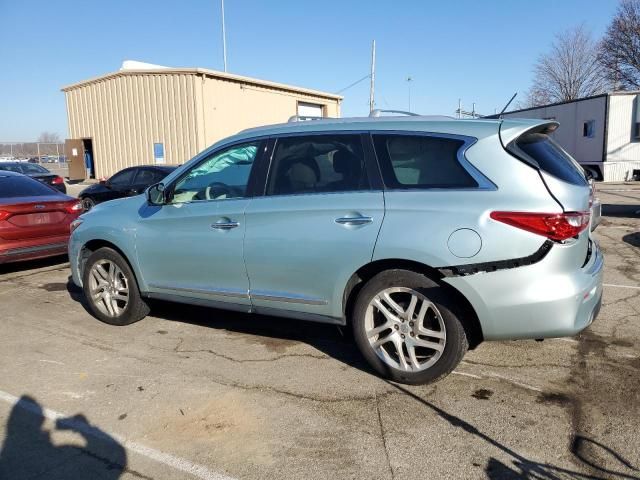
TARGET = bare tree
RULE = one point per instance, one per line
(570, 69)
(534, 98)
(620, 48)
(49, 137)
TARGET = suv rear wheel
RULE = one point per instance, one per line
(405, 326)
(111, 289)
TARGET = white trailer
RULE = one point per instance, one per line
(601, 132)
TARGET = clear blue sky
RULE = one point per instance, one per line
(482, 51)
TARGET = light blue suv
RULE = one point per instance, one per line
(425, 235)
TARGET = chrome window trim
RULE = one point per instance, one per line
(220, 292)
(306, 194)
(483, 182)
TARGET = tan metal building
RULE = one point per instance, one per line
(167, 115)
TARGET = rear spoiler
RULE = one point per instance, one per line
(510, 129)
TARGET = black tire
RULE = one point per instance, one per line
(88, 203)
(455, 346)
(136, 308)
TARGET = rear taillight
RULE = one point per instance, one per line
(57, 181)
(555, 226)
(4, 215)
(74, 207)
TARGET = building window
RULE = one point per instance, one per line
(589, 129)
(158, 153)
(636, 131)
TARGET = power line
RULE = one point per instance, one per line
(354, 83)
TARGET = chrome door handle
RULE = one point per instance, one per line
(354, 220)
(224, 225)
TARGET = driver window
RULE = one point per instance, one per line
(123, 178)
(223, 175)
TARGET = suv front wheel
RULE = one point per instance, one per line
(111, 290)
(404, 325)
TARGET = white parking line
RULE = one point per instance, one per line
(620, 286)
(515, 382)
(167, 459)
(498, 376)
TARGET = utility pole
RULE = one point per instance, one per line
(373, 77)
(224, 38)
(409, 80)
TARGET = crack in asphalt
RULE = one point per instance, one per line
(520, 365)
(176, 349)
(383, 437)
(300, 396)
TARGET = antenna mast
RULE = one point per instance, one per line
(224, 38)
(373, 76)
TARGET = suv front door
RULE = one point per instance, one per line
(316, 224)
(193, 245)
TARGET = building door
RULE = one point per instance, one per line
(74, 151)
(89, 162)
(310, 110)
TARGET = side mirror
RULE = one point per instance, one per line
(103, 181)
(155, 194)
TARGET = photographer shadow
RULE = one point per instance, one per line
(28, 450)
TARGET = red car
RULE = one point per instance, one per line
(35, 218)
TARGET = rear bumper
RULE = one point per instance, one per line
(40, 248)
(535, 301)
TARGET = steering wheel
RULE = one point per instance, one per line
(217, 190)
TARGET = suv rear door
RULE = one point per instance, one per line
(316, 224)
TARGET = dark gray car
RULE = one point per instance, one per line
(37, 172)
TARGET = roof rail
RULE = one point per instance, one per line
(302, 118)
(376, 113)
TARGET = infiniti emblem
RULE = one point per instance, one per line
(40, 207)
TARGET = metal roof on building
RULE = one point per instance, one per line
(207, 73)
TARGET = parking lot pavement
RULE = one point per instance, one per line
(198, 393)
(74, 189)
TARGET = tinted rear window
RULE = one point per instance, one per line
(418, 161)
(543, 152)
(10, 167)
(30, 168)
(23, 187)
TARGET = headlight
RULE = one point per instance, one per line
(75, 224)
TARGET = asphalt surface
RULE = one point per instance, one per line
(200, 393)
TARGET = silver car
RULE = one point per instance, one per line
(425, 235)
